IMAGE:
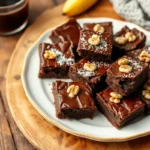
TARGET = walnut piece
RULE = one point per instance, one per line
(125, 68)
(49, 54)
(94, 40)
(144, 56)
(90, 67)
(114, 100)
(73, 90)
(98, 28)
(130, 37)
(146, 94)
(123, 61)
(116, 95)
(121, 40)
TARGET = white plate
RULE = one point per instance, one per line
(40, 95)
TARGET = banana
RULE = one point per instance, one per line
(76, 7)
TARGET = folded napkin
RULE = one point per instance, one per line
(136, 11)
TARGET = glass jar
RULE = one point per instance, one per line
(13, 16)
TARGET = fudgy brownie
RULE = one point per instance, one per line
(119, 110)
(55, 59)
(142, 55)
(99, 27)
(95, 46)
(126, 74)
(89, 71)
(145, 96)
(126, 40)
(69, 31)
(73, 100)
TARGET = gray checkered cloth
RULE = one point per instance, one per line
(136, 11)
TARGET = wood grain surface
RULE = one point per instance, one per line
(10, 136)
(37, 130)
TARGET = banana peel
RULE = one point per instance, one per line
(76, 7)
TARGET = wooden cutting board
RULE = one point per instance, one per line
(37, 130)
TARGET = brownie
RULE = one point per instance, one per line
(122, 49)
(106, 25)
(119, 114)
(80, 106)
(58, 67)
(99, 52)
(145, 57)
(144, 94)
(89, 71)
(69, 31)
(128, 80)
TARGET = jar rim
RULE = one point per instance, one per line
(12, 5)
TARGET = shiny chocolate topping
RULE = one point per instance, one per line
(105, 46)
(140, 37)
(135, 53)
(82, 100)
(70, 31)
(123, 109)
(64, 54)
(137, 68)
(101, 68)
(107, 26)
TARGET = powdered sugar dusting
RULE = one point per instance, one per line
(61, 59)
(85, 45)
(86, 73)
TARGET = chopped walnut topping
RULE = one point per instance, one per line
(130, 37)
(125, 68)
(115, 97)
(146, 91)
(123, 61)
(73, 90)
(98, 28)
(90, 67)
(49, 54)
(94, 40)
(121, 40)
(144, 56)
(146, 94)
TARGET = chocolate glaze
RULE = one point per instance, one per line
(130, 45)
(126, 83)
(78, 73)
(69, 31)
(64, 59)
(122, 112)
(83, 101)
(107, 26)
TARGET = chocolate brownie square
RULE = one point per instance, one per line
(73, 100)
(89, 71)
(126, 40)
(55, 59)
(142, 55)
(126, 74)
(95, 46)
(69, 31)
(99, 27)
(144, 94)
(121, 111)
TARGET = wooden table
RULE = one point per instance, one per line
(11, 138)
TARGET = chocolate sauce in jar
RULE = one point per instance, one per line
(13, 16)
